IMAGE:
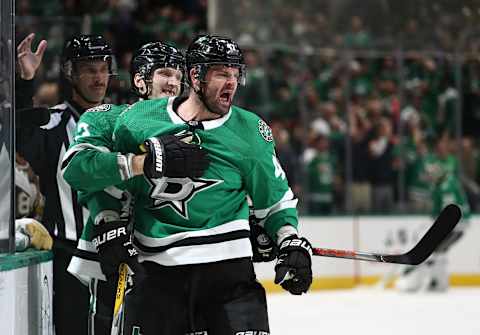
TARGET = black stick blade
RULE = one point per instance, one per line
(441, 228)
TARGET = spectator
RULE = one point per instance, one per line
(382, 172)
(322, 177)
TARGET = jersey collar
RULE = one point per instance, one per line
(207, 125)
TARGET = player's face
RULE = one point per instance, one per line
(221, 86)
(91, 80)
(166, 82)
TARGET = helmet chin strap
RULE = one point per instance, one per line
(148, 85)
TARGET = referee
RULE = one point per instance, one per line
(87, 64)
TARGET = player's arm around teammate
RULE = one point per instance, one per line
(92, 166)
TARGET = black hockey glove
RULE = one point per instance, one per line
(263, 247)
(169, 156)
(114, 243)
(293, 270)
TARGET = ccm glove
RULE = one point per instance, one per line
(169, 156)
(263, 247)
(293, 270)
(114, 243)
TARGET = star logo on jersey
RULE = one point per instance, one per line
(177, 192)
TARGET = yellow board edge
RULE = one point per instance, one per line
(337, 283)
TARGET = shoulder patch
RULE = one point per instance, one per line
(101, 108)
(265, 131)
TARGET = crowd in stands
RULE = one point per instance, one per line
(357, 103)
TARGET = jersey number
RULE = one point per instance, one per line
(82, 130)
(279, 173)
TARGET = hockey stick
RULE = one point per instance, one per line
(441, 228)
(119, 299)
(123, 270)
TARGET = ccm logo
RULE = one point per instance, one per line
(109, 235)
(252, 332)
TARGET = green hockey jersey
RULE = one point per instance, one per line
(91, 166)
(448, 189)
(321, 175)
(189, 221)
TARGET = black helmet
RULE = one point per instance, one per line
(152, 56)
(209, 50)
(86, 47)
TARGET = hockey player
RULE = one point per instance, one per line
(446, 188)
(87, 64)
(91, 165)
(193, 233)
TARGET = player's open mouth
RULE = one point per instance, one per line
(225, 98)
(169, 92)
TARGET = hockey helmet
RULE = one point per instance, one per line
(87, 47)
(152, 56)
(209, 50)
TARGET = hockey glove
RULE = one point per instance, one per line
(293, 270)
(169, 156)
(114, 243)
(38, 236)
(263, 247)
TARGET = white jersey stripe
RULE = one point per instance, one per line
(199, 254)
(224, 228)
(86, 246)
(79, 147)
(66, 201)
(85, 269)
(288, 201)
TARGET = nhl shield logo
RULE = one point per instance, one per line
(265, 131)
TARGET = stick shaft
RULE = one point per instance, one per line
(119, 299)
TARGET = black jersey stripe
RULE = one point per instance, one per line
(88, 255)
(191, 241)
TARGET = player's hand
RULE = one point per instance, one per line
(293, 270)
(169, 156)
(27, 60)
(114, 243)
(263, 247)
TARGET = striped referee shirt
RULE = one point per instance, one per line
(44, 148)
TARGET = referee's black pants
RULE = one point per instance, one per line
(70, 297)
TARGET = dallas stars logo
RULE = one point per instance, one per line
(177, 192)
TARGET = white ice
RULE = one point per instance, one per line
(375, 312)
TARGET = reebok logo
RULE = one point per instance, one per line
(109, 235)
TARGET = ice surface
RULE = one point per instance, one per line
(376, 312)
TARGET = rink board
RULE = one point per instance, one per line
(26, 293)
(386, 234)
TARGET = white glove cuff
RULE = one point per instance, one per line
(285, 232)
(125, 165)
